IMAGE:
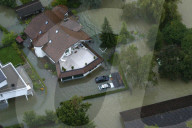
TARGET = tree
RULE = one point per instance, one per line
(186, 43)
(30, 118)
(151, 9)
(136, 68)
(131, 11)
(155, 38)
(25, 1)
(92, 3)
(108, 38)
(8, 38)
(186, 62)
(169, 12)
(186, 67)
(58, 2)
(73, 112)
(124, 35)
(170, 62)
(174, 32)
(33, 120)
(8, 3)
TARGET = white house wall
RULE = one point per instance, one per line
(13, 94)
(39, 52)
(2, 84)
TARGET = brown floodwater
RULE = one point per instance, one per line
(185, 9)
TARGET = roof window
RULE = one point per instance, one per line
(57, 31)
(50, 41)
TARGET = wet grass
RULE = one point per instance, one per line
(9, 54)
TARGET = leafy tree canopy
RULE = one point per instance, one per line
(124, 34)
(8, 38)
(25, 1)
(170, 62)
(93, 4)
(8, 3)
(136, 68)
(73, 112)
(174, 32)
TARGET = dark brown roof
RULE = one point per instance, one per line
(39, 24)
(82, 70)
(60, 11)
(59, 42)
(80, 35)
(29, 8)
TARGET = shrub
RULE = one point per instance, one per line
(8, 38)
(74, 12)
(25, 1)
(3, 29)
(8, 3)
(46, 66)
(72, 67)
(63, 69)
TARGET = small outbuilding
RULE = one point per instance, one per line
(33, 7)
(19, 39)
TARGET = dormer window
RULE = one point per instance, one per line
(46, 22)
(57, 31)
(40, 32)
(50, 41)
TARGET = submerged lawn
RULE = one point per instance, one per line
(9, 54)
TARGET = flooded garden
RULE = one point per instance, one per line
(105, 110)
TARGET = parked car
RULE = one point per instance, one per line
(105, 86)
(101, 79)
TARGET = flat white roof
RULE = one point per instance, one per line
(78, 59)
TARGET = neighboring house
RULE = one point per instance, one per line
(12, 85)
(171, 113)
(33, 7)
(61, 39)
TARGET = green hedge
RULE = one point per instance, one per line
(105, 93)
(3, 29)
(16, 126)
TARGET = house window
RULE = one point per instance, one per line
(46, 22)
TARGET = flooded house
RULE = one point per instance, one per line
(33, 7)
(12, 84)
(60, 37)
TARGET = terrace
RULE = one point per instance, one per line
(80, 57)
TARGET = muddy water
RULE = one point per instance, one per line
(9, 17)
(46, 2)
(108, 112)
(185, 10)
(9, 20)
